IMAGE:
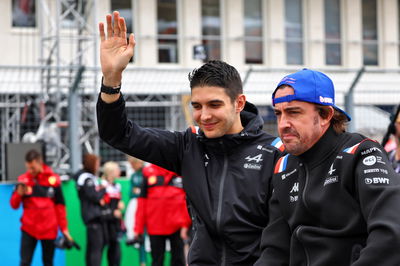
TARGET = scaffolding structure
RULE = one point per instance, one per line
(68, 48)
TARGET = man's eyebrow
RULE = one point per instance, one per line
(209, 102)
(289, 108)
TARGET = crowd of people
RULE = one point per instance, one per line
(315, 195)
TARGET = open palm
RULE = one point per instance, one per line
(115, 50)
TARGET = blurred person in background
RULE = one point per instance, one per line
(394, 155)
(39, 191)
(136, 180)
(94, 213)
(162, 211)
(113, 200)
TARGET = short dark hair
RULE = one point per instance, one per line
(219, 74)
(89, 162)
(33, 155)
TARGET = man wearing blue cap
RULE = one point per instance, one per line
(336, 197)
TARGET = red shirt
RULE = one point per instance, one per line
(162, 204)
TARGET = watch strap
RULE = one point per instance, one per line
(109, 90)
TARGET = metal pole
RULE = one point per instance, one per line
(74, 111)
(349, 101)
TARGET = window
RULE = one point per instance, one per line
(370, 32)
(167, 28)
(124, 7)
(23, 13)
(211, 28)
(294, 32)
(253, 32)
(332, 33)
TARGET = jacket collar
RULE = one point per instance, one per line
(324, 148)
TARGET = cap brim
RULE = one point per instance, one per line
(343, 112)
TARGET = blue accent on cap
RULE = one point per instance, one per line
(309, 86)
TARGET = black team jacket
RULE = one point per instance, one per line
(337, 204)
(227, 179)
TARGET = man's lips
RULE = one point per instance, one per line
(209, 126)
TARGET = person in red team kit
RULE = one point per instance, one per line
(162, 211)
(39, 191)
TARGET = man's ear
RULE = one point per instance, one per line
(240, 102)
(327, 120)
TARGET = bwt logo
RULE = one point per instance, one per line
(377, 180)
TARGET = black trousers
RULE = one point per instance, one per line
(157, 243)
(98, 236)
(28, 245)
(96, 240)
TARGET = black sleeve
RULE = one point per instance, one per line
(90, 192)
(143, 188)
(58, 195)
(275, 239)
(161, 147)
(378, 189)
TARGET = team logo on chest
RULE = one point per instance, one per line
(253, 162)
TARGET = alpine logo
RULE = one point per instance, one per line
(331, 170)
(257, 158)
(254, 166)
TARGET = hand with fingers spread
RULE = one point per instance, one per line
(115, 50)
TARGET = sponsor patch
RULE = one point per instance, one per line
(253, 166)
(370, 160)
(331, 180)
(293, 198)
(377, 180)
(370, 150)
(52, 180)
(284, 176)
(376, 170)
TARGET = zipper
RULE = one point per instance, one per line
(223, 257)
(305, 185)
(220, 200)
(191, 244)
(221, 190)
(304, 248)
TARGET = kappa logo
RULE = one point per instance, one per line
(257, 158)
(295, 188)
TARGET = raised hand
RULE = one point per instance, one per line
(115, 51)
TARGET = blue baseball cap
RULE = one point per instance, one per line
(309, 86)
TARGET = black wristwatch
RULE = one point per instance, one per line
(109, 90)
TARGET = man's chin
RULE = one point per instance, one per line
(212, 134)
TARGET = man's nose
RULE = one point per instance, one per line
(205, 114)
